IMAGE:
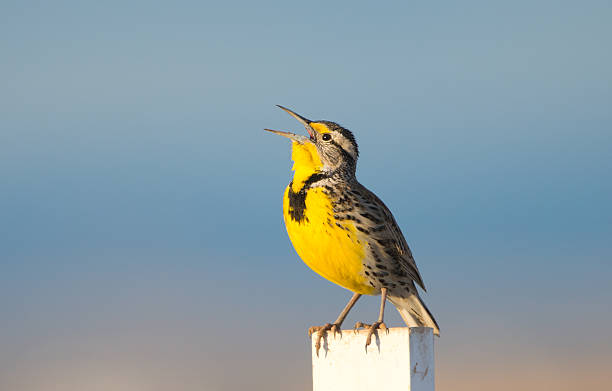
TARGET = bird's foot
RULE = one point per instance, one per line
(321, 331)
(371, 329)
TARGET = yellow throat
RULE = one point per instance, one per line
(306, 162)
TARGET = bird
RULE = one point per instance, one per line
(344, 232)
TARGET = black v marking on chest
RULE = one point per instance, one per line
(297, 200)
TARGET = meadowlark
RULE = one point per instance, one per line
(344, 232)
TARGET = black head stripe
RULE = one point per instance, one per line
(347, 156)
(343, 131)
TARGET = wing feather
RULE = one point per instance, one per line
(386, 234)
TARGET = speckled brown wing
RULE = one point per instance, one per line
(386, 237)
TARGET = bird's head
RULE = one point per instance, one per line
(335, 147)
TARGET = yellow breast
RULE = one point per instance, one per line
(333, 252)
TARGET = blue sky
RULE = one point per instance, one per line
(141, 199)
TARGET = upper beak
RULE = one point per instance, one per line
(305, 121)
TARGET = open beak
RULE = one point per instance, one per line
(304, 121)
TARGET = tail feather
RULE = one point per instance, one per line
(414, 312)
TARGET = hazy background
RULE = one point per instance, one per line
(142, 245)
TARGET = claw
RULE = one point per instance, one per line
(359, 325)
(372, 329)
(321, 330)
(313, 329)
(335, 329)
(318, 343)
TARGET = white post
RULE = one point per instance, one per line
(402, 359)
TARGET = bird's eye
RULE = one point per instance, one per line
(326, 137)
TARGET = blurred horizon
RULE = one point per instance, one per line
(142, 245)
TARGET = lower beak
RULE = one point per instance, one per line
(289, 135)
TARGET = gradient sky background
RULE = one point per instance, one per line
(142, 245)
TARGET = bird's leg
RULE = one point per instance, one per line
(335, 327)
(379, 324)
